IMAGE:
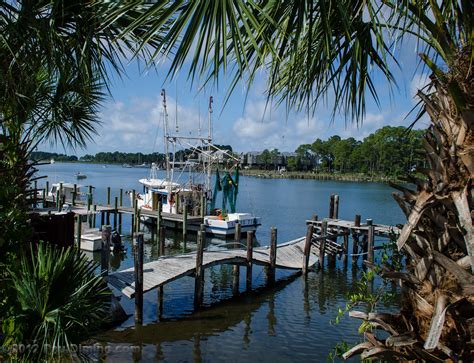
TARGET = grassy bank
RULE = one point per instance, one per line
(359, 177)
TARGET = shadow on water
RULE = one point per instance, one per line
(210, 320)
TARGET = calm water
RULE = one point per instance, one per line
(291, 322)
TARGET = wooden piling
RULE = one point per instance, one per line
(94, 216)
(74, 195)
(185, 223)
(158, 222)
(322, 244)
(105, 251)
(336, 207)
(58, 200)
(161, 240)
(108, 196)
(203, 205)
(47, 187)
(331, 206)
(370, 240)
(273, 252)
(136, 215)
(237, 233)
(199, 278)
(346, 246)
(138, 274)
(235, 279)
(121, 197)
(307, 248)
(355, 239)
(102, 218)
(115, 212)
(248, 281)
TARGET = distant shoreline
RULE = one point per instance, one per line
(273, 174)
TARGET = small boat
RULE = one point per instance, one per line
(79, 175)
(126, 166)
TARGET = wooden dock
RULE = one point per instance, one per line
(169, 268)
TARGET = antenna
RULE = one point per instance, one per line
(165, 114)
(176, 105)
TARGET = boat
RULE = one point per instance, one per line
(79, 175)
(126, 166)
(64, 189)
(195, 195)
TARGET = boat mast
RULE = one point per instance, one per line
(209, 141)
(165, 117)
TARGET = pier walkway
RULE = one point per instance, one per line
(166, 269)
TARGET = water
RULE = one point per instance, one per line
(287, 323)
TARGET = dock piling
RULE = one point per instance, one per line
(138, 274)
(108, 196)
(248, 282)
(161, 239)
(35, 197)
(322, 245)
(199, 278)
(331, 206)
(355, 239)
(94, 216)
(74, 195)
(307, 248)
(237, 233)
(273, 252)
(105, 251)
(115, 212)
(185, 223)
(370, 240)
(336, 207)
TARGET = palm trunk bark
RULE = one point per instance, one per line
(436, 322)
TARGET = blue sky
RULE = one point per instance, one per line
(131, 117)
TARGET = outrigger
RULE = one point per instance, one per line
(196, 195)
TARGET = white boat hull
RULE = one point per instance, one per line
(220, 227)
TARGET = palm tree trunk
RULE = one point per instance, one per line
(437, 318)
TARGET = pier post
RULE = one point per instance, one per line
(203, 205)
(94, 216)
(136, 217)
(336, 207)
(355, 239)
(78, 232)
(248, 281)
(185, 223)
(161, 237)
(58, 201)
(138, 274)
(199, 278)
(102, 218)
(45, 191)
(74, 195)
(273, 252)
(47, 188)
(235, 279)
(307, 248)
(346, 246)
(89, 195)
(115, 212)
(158, 223)
(322, 245)
(120, 214)
(237, 233)
(121, 197)
(108, 196)
(331, 206)
(105, 251)
(370, 240)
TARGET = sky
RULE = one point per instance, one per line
(131, 117)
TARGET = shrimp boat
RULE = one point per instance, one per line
(195, 195)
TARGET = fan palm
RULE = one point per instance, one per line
(313, 49)
(62, 301)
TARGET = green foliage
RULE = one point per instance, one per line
(61, 301)
(389, 151)
(337, 352)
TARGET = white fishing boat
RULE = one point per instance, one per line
(80, 175)
(195, 193)
(65, 190)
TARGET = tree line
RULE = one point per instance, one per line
(389, 151)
